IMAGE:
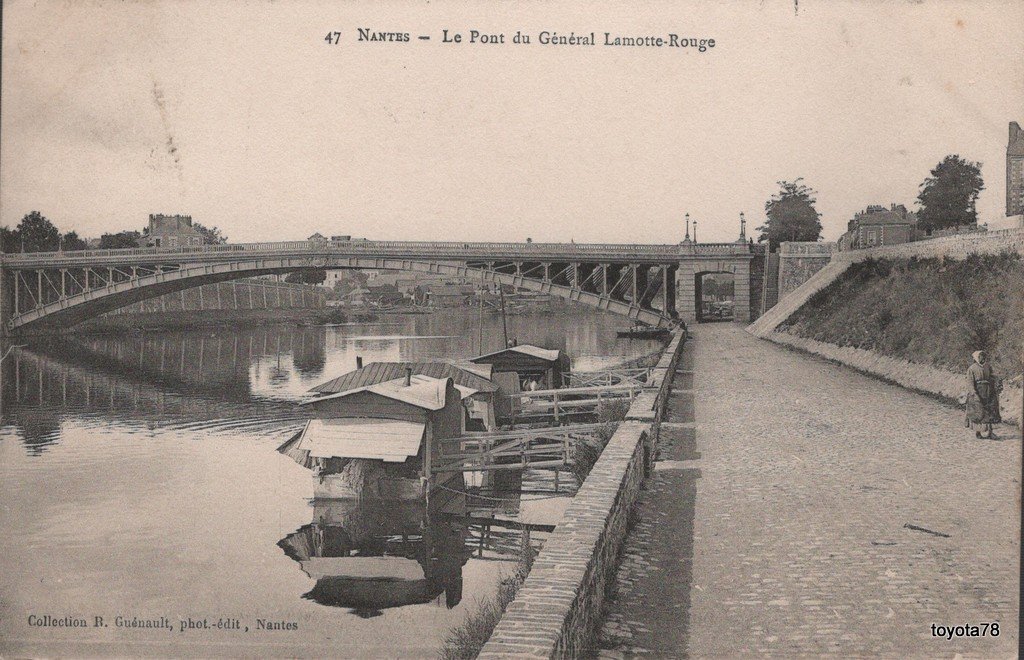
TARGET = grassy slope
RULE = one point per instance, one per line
(927, 311)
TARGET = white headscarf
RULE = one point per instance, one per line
(976, 355)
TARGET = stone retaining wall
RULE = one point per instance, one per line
(798, 261)
(557, 610)
(950, 247)
(919, 377)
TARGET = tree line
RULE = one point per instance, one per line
(36, 233)
(947, 198)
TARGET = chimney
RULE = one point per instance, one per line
(359, 362)
(408, 376)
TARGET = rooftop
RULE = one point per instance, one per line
(423, 391)
(470, 375)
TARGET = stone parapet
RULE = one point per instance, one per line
(957, 246)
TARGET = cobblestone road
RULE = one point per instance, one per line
(780, 519)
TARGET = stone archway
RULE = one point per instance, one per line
(687, 277)
(715, 296)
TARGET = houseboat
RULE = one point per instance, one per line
(522, 364)
(524, 367)
(472, 380)
(379, 440)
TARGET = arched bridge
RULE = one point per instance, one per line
(642, 282)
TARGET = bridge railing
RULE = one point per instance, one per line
(453, 249)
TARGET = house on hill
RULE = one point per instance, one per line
(172, 231)
(877, 225)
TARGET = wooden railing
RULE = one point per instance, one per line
(513, 450)
(568, 400)
(630, 376)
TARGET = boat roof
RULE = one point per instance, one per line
(388, 440)
(547, 354)
(423, 391)
(475, 376)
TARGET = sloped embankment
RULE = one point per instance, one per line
(889, 316)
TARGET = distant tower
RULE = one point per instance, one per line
(1015, 171)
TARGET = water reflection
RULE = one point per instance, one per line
(370, 554)
(162, 449)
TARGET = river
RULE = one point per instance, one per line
(141, 483)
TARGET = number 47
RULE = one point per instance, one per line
(333, 38)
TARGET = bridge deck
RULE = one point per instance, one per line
(435, 250)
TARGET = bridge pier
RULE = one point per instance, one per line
(6, 299)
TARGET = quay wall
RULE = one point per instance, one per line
(558, 608)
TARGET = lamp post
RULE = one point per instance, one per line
(687, 239)
(694, 231)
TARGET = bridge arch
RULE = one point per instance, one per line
(72, 309)
(709, 284)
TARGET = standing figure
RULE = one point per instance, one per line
(982, 396)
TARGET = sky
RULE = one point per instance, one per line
(242, 116)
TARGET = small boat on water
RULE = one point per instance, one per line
(644, 332)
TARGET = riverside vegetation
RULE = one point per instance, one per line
(927, 311)
(464, 641)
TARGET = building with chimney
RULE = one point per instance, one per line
(877, 225)
(1015, 171)
(172, 231)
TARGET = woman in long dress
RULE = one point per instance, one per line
(982, 396)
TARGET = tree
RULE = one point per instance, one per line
(71, 241)
(9, 241)
(37, 234)
(211, 235)
(791, 215)
(123, 239)
(948, 196)
(307, 276)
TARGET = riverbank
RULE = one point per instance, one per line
(915, 322)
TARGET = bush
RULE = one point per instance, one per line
(465, 641)
(610, 413)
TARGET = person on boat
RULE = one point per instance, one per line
(982, 396)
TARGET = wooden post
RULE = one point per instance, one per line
(554, 400)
